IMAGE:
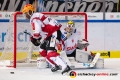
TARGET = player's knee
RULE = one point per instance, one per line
(52, 54)
(43, 53)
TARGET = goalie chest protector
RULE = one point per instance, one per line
(71, 42)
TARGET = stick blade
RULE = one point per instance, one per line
(92, 64)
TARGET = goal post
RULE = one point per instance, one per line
(20, 49)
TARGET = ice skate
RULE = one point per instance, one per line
(53, 69)
(67, 69)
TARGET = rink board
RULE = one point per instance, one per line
(102, 36)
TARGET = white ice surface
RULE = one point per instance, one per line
(33, 73)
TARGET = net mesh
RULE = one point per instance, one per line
(25, 51)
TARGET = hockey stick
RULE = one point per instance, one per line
(92, 64)
(27, 33)
(37, 40)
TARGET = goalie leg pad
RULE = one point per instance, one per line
(64, 56)
(99, 64)
(60, 62)
(41, 62)
(83, 56)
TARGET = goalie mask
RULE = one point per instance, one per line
(70, 28)
(28, 10)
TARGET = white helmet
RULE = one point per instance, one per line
(70, 27)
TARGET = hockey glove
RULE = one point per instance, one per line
(82, 44)
(59, 46)
(36, 42)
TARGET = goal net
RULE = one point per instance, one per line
(18, 49)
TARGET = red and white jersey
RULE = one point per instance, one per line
(70, 44)
(43, 26)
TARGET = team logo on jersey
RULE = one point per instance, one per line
(71, 47)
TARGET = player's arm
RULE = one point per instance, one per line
(82, 44)
(36, 27)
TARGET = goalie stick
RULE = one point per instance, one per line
(92, 64)
(82, 65)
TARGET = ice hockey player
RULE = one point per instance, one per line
(47, 29)
(71, 41)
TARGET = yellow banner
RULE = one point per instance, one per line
(108, 54)
(24, 55)
(20, 55)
